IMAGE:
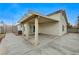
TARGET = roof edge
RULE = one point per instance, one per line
(59, 11)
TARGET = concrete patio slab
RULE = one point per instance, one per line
(16, 45)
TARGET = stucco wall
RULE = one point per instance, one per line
(63, 23)
(19, 27)
(26, 29)
(49, 28)
(56, 16)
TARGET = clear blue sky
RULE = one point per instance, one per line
(11, 13)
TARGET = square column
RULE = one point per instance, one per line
(36, 32)
(26, 32)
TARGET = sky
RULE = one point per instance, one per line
(10, 13)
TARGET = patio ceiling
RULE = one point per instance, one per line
(30, 18)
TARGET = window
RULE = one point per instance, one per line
(62, 27)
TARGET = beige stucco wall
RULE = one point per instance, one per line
(26, 29)
(49, 28)
(56, 16)
(19, 27)
(63, 22)
(54, 28)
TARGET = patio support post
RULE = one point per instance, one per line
(36, 32)
(27, 30)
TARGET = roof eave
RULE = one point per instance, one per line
(34, 15)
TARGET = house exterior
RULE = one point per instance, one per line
(52, 24)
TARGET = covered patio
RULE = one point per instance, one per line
(32, 28)
(42, 39)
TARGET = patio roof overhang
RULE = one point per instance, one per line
(35, 19)
(34, 15)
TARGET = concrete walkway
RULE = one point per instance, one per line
(12, 44)
(16, 45)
